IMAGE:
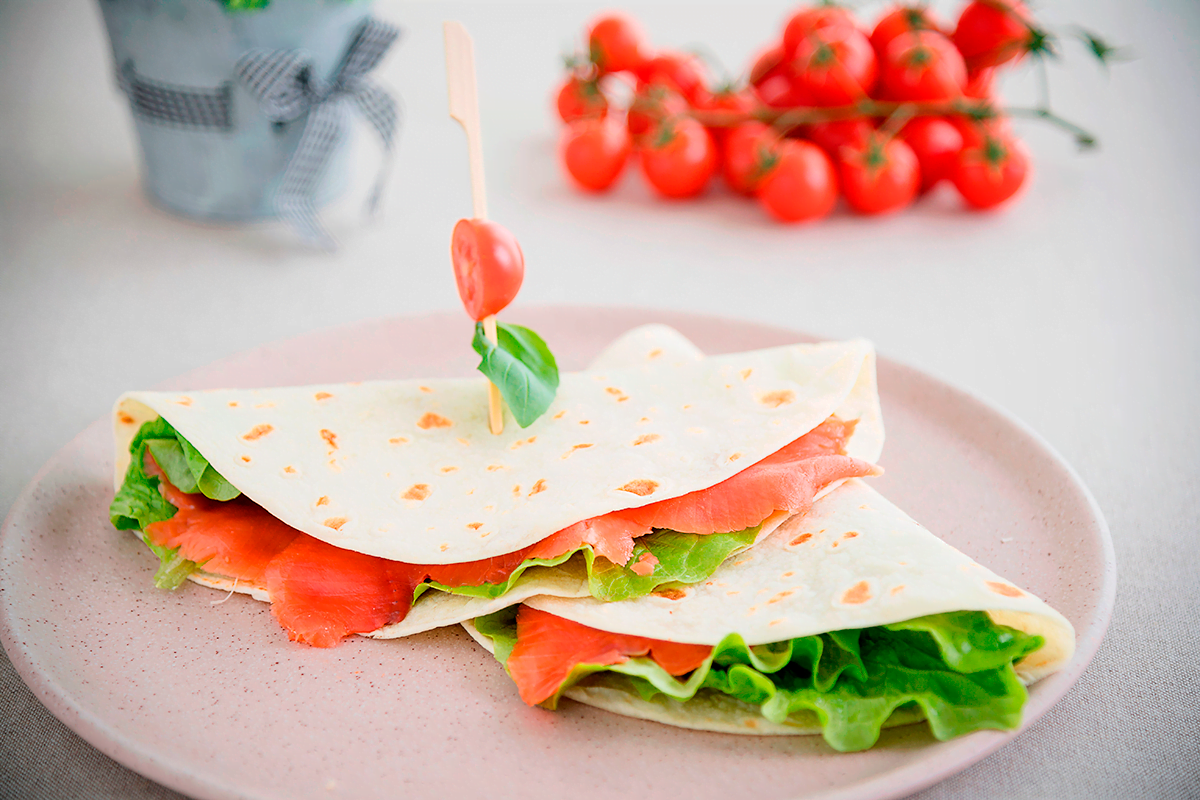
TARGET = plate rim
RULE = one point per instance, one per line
(899, 782)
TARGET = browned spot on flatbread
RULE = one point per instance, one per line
(323, 500)
(425, 389)
(517, 490)
(784, 594)
(560, 415)
(670, 594)
(850, 535)
(777, 398)
(335, 522)
(432, 420)
(1004, 589)
(448, 470)
(474, 525)
(246, 459)
(646, 438)
(897, 589)
(397, 440)
(787, 574)
(125, 418)
(584, 421)
(857, 594)
(735, 456)
(580, 446)
(746, 373)
(319, 396)
(463, 442)
(289, 469)
(183, 401)
(233, 403)
(445, 547)
(801, 539)
(330, 438)
(614, 390)
(519, 443)
(268, 404)
(494, 467)
(641, 487)
(257, 432)
(538, 487)
(418, 491)
(655, 353)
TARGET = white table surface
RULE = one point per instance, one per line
(1076, 308)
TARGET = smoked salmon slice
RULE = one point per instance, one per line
(549, 647)
(786, 480)
(320, 593)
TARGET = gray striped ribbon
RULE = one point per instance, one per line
(179, 106)
(287, 87)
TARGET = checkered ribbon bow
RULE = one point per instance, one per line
(287, 88)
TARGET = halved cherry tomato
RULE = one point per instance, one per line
(993, 32)
(801, 185)
(880, 176)
(900, 20)
(678, 158)
(580, 99)
(986, 175)
(835, 65)
(616, 43)
(488, 266)
(749, 150)
(594, 152)
(807, 20)
(936, 143)
(923, 65)
(650, 105)
(832, 137)
(681, 72)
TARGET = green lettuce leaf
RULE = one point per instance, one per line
(521, 366)
(683, 558)
(957, 668)
(139, 503)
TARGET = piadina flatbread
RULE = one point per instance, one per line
(407, 471)
(851, 567)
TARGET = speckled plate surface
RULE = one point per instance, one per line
(211, 699)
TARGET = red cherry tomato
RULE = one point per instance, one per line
(881, 176)
(678, 158)
(651, 104)
(900, 20)
(736, 102)
(616, 43)
(832, 137)
(488, 266)
(802, 184)
(923, 66)
(680, 72)
(936, 143)
(990, 33)
(594, 151)
(749, 148)
(807, 20)
(835, 65)
(980, 83)
(580, 99)
(989, 174)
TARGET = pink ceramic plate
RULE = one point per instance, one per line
(211, 699)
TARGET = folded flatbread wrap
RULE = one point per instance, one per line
(407, 471)
(854, 563)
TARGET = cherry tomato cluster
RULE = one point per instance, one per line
(830, 108)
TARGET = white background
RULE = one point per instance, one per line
(1076, 308)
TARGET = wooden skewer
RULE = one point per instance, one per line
(464, 107)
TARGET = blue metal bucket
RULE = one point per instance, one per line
(230, 167)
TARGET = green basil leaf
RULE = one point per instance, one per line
(522, 368)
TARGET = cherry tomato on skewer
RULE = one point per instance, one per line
(488, 266)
